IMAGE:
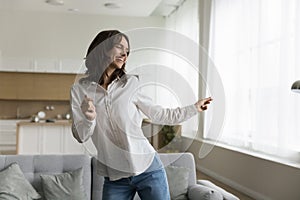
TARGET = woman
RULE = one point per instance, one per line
(107, 105)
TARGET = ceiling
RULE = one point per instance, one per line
(140, 8)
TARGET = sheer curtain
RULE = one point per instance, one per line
(185, 22)
(166, 73)
(255, 45)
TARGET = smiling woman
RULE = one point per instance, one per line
(108, 106)
(106, 57)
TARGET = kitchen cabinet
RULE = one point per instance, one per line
(49, 138)
(35, 86)
(8, 135)
(41, 65)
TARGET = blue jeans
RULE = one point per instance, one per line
(151, 185)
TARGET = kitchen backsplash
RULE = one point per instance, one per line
(21, 109)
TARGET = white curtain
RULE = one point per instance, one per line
(168, 72)
(184, 21)
(255, 45)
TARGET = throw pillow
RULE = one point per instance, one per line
(68, 185)
(178, 180)
(202, 192)
(226, 195)
(14, 185)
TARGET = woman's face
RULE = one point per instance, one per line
(119, 53)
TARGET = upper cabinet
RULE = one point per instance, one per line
(41, 65)
(35, 86)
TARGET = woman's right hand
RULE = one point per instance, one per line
(88, 108)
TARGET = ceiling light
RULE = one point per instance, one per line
(112, 5)
(55, 2)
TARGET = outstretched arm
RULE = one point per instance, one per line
(167, 116)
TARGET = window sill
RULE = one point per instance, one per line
(260, 155)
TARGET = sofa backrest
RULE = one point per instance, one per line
(34, 165)
(175, 159)
(181, 160)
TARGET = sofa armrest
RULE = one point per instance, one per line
(196, 192)
(226, 195)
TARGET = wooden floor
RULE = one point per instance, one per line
(240, 195)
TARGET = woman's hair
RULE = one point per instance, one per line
(97, 60)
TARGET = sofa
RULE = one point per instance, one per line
(34, 167)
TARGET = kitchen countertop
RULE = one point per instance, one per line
(44, 123)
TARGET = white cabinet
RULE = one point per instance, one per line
(8, 135)
(46, 65)
(49, 138)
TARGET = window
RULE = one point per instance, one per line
(181, 76)
(255, 45)
(167, 61)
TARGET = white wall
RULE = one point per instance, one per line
(46, 35)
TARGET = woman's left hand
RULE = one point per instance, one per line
(201, 104)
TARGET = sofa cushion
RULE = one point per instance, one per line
(197, 192)
(226, 195)
(183, 160)
(178, 180)
(34, 165)
(67, 185)
(14, 185)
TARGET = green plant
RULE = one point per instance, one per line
(168, 133)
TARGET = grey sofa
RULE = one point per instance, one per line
(33, 166)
